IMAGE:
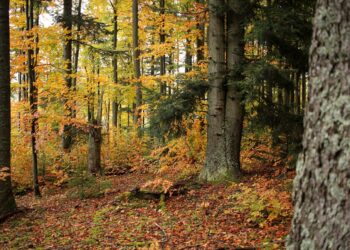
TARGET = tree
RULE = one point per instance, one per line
(224, 115)
(7, 200)
(136, 60)
(321, 187)
(33, 90)
(67, 58)
(115, 103)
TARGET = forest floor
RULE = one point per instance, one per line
(252, 214)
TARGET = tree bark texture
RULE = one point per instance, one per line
(233, 107)
(33, 90)
(115, 103)
(137, 66)
(322, 185)
(7, 201)
(224, 114)
(67, 137)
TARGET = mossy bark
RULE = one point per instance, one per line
(322, 185)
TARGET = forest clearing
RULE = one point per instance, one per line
(175, 124)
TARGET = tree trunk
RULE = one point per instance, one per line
(188, 52)
(297, 93)
(200, 38)
(95, 131)
(303, 90)
(95, 140)
(218, 165)
(162, 41)
(76, 54)
(67, 137)
(33, 92)
(291, 96)
(321, 187)
(115, 103)
(7, 200)
(137, 68)
(233, 108)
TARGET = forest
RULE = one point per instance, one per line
(175, 124)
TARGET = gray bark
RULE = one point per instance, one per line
(7, 201)
(322, 186)
(224, 114)
(233, 107)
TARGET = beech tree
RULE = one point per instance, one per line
(7, 201)
(321, 187)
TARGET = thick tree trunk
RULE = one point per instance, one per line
(67, 137)
(218, 166)
(7, 201)
(321, 188)
(233, 107)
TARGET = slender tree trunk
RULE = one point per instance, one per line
(291, 101)
(95, 130)
(76, 55)
(7, 200)
(188, 53)
(279, 98)
(303, 90)
(200, 39)
(67, 137)
(108, 110)
(137, 68)
(162, 41)
(33, 92)
(297, 93)
(115, 104)
(321, 187)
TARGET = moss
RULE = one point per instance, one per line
(219, 175)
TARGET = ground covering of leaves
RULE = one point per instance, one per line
(255, 213)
